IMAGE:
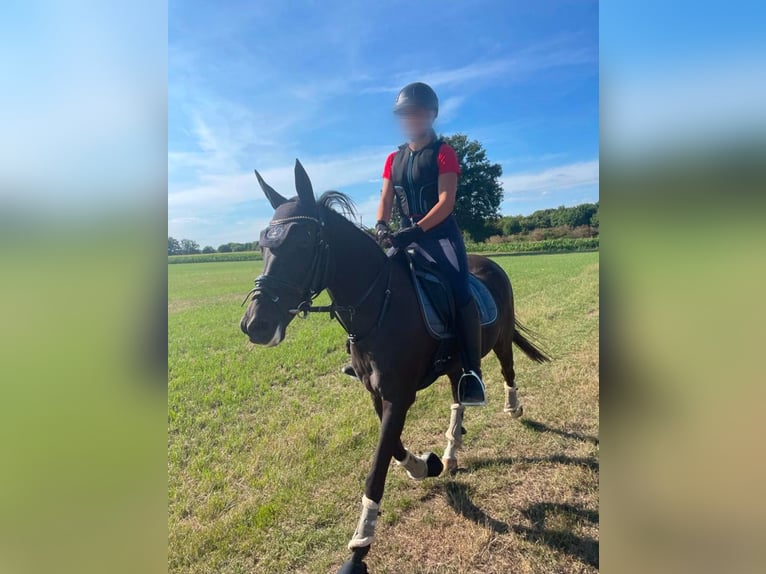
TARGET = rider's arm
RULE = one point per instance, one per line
(445, 205)
(386, 200)
(387, 191)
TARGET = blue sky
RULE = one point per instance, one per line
(257, 84)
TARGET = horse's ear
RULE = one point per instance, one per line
(303, 185)
(271, 194)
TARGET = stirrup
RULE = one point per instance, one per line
(475, 401)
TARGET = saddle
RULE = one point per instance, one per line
(437, 304)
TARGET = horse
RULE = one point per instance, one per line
(310, 246)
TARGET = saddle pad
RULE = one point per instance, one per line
(434, 317)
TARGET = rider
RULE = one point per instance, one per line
(422, 178)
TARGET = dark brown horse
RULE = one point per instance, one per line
(309, 247)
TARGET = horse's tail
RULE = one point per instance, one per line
(529, 348)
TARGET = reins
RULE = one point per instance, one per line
(354, 337)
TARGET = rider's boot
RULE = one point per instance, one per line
(470, 387)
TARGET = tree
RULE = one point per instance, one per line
(225, 248)
(511, 225)
(174, 248)
(189, 247)
(208, 249)
(479, 191)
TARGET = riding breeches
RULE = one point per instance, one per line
(444, 245)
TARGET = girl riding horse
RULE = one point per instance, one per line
(422, 178)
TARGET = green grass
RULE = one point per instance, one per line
(268, 448)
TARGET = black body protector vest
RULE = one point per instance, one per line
(415, 176)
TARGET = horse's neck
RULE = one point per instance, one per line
(356, 262)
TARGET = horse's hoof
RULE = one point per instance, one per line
(351, 567)
(450, 464)
(515, 413)
(434, 463)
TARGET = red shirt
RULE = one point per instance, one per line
(446, 159)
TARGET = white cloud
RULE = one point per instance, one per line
(556, 178)
(217, 230)
(466, 73)
(325, 173)
(448, 108)
(367, 210)
(534, 58)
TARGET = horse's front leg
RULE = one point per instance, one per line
(417, 467)
(455, 430)
(392, 417)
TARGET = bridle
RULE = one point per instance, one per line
(266, 285)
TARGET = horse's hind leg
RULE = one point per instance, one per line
(454, 432)
(504, 352)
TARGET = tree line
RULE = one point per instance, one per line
(190, 247)
(560, 222)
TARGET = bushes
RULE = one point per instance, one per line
(542, 223)
(547, 245)
(540, 234)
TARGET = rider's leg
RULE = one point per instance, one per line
(470, 386)
(453, 262)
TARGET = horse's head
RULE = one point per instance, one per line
(294, 262)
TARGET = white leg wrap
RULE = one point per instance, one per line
(365, 530)
(416, 467)
(454, 433)
(511, 400)
(450, 452)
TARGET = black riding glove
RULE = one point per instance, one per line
(383, 233)
(402, 238)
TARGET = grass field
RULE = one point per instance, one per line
(268, 448)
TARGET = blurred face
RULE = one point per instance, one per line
(416, 122)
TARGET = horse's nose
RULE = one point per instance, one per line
(243, 323)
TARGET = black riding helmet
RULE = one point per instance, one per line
(416, 95)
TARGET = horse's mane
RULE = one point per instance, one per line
(342, 207)
(339, 203)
